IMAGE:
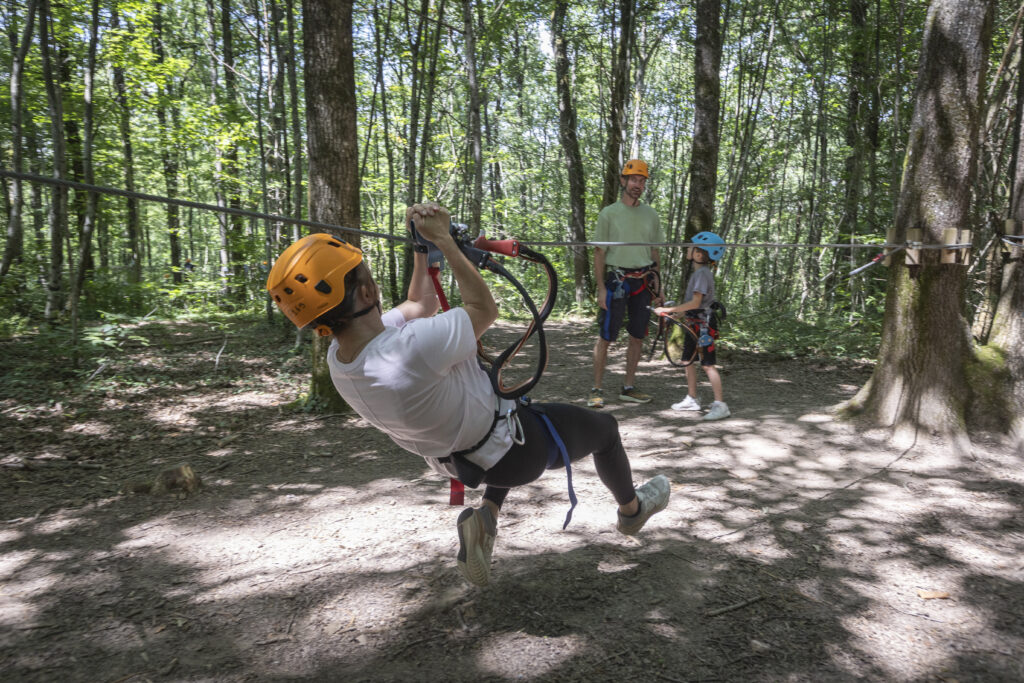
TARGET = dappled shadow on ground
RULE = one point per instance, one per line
(794, 548)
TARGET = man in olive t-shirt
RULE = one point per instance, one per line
(626, 276)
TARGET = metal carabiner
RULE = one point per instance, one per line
(515, 427)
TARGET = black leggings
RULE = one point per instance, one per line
(582, 431)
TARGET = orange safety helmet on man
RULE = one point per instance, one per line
(308, 279)
(635, 167)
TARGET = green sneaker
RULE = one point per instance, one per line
(595, 400)
(653, 497)
(635, 395)
(477, 529)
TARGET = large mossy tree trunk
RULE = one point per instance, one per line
(926, 353)
(333, 147)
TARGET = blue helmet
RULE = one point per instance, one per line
(706, 238)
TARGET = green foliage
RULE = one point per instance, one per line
(116, 330)
(784, 122)
(19, 298)
(850, 335)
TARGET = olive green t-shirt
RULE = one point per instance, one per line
(620, 223)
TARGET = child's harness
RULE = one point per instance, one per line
(699, 319)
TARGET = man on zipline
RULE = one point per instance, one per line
(414, 375)
(627, 278)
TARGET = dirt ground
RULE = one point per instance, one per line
(795, 547)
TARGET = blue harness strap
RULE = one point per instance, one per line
(554, 453)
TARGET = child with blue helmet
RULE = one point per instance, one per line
(698, 305)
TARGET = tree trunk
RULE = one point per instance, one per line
(58, 216)
(88, 225)
(571, 148)
(473, 129)
(919, 381)
(617, 112)
(1006, 339)
(707, 86)
(426, 94)
(382, 28)
(15, 246)
(233, 190)
(293, 95)
(333, 146)
(858, 89)
(133, 258)
(168, 153)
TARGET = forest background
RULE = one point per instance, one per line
(516, 115)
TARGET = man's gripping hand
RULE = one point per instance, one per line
(432, 221)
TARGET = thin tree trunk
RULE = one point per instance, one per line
(1006, 338)
(473, 129)
(88, 225)
(58, 215)
(168, 153)
(617, 111)
(133, 258)
(858, 88)
(567, 124)
(293, 95)
(235, 225)
(382, 28)
(15, 245)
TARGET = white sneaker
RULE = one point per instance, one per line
(718, 411)
(653, 497)
(688, 403)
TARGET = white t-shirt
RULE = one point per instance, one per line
(419, 382)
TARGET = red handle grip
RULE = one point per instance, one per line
(505, 247)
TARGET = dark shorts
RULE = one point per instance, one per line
(630, 295)
(690, 344)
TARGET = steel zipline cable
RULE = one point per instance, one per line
(84, 187)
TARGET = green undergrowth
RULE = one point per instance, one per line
(783, 334)
(124, 355)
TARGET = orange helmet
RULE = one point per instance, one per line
(636, 167)
(308, 278)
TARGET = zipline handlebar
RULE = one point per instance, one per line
(478, 252)
(503, 247)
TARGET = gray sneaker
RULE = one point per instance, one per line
(653, 497)
(477, 529)
(718, 411)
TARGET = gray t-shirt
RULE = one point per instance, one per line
(703, 281)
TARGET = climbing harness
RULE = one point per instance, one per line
(649, 277)
(478, 252)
